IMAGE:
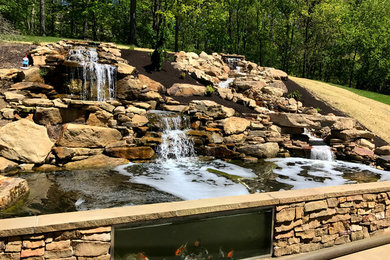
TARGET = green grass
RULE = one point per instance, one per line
(385, 99)
(31, 38)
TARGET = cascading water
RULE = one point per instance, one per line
(179, 172)
(319, 151)
(98, 80)
(175, 143)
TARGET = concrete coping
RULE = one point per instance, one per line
(150, 212)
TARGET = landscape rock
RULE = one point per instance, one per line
(132, 153)
(211, 108)
(47, 116)
(75, 135)
(266, 150)
(33, 74)
(125, 69)
(383, 150)
(24, 141)
(150, 84)
(185, 90)
(235, 125)
(33, 86)
(7, 165)
(96, 161)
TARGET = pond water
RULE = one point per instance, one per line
(180, 179)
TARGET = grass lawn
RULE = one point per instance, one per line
(32, 39)
(365, 93)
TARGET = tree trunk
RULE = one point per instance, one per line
(352, 69)
(42, 17)
(176, 33)
(133, 24)
(94, 27)
(53, 18)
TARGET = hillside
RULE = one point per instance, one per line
(372, 114)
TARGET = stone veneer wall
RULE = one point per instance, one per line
(82, 244)
(305, 220)
(308, 226)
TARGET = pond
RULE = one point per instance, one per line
(179, 179)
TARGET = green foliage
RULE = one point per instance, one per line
(132, 47)
(43, 72)
(318, 109)
(209, 90)
(344, 42)
(295, 94)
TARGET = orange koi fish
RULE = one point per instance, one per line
(230, 254)
(141, 256)
(197, 243)
(181, 250)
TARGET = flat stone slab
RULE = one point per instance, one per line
(11, 190)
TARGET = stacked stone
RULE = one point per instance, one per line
(308, 226)
(83, 244)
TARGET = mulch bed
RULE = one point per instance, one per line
(308, 100)
(167, 76)
(11, 54)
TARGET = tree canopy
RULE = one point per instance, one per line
(341, 41)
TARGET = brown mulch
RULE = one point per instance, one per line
(167, 76)
(11, 54)
(308, 100)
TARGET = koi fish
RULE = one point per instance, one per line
(230, 254)
(197, 243)
(181, 250)
(141, 256)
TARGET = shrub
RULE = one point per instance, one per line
(295, 94)
(209, 90)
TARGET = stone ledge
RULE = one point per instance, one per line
(131, 214)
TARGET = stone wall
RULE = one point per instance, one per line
(71, 245)
(308, 226)
(305, 220)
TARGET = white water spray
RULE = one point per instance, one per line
(99, 80)
(319, 151)
(175, 143)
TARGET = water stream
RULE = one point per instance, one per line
(319, 151)
(98, 80)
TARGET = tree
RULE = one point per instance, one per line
(42, 18)
(133, 25)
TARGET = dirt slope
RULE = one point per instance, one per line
(372, 114)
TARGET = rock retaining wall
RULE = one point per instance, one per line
(71, 245)
(305, 220)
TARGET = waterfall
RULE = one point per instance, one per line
(175, 143)
(319, 151)
(98, 80)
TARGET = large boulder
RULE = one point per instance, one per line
(235, 125)
(125, 69)
(11, 190)
(128, 88)
(351, 134)
(74, 135)
(24, 141)
(131, 153)
(152, 85)
(47, 116)
(33, 86)
(276, 74)
(211, 108)
(7, 165)
(33, 74)
(185, 90)
(97, 161)
(277, 92)
(266, 150)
